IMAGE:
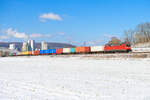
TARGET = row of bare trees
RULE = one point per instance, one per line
(140, 34)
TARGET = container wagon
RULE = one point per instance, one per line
(97, 49)
(82, 50)
(52, 51)
(37, 52)
(72, 50)
(59, 51)
(66, 50)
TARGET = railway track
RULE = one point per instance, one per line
(103, 55)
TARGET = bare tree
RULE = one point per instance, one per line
(129, 36)
(140, 34)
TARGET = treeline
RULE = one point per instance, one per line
(141, 34)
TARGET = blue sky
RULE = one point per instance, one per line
(70, 21)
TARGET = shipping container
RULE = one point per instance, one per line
(24, 53)
(19, 54)
(52, 51)
(15, 54)
(41, 52)
(97, 48)
(37, 52)
(66, 50)
(59, 51)
(72, 50)
(9, 54)
(29, 52)
(12, 54)
(82, 49)
(44, 52)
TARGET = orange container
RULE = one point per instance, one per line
(37, 52)
(59, 51)
(29, 52)
(82, 49)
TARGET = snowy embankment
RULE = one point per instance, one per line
(72, 78)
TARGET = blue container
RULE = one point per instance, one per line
(41, 52)
(44, 51)
(72, 50)
(52, 51)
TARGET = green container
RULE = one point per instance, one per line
(14, 54)
(72, 50)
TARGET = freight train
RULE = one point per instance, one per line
(124, 47)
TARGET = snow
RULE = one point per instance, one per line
(73, 78)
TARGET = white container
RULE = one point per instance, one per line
(66, 50)
(97, 48)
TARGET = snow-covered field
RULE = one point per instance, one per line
(73, 78)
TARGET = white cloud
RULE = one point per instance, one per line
(20, 35)
(38, 35)
(50, 16)
(13, 33)
(10, 31)
(16, 34)
(35, 35)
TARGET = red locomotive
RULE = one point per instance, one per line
(123, 47)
